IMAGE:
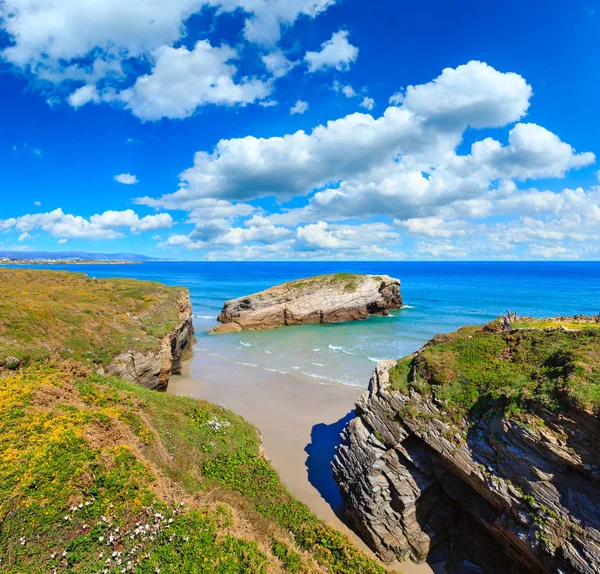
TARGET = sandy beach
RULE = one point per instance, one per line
(300, 424)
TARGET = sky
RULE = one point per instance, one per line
(301, 129)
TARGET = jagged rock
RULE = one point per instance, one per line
(324, 299)
(508, 494)
(154, 369)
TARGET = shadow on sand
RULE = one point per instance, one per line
(321, 450)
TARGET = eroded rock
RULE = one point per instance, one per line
(324, 299)
(507, 493)
(154, 369)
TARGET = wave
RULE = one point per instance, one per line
(205, 316)
(341, 349)
(268, 352)
(407, 307)
(316, 350)
(276, 371)
(375, 359)
(317, 364)
(245, 344)
(296, 368)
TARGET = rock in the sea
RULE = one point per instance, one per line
(154, 368)
(323, 299)
(482, 448)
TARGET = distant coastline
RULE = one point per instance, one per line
(7, 261)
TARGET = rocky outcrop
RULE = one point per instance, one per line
(489, 491)
(153, 369)
(324, 299)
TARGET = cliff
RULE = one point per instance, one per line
(101, 475)
(137, 330)
(153, 369)
(482, 450)
(323, 299)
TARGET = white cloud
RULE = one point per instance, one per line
(128, 218)
(474, 94)
(533, 152)
(278, 64)
(299, 107)
(396, 99)
(347, 90)
(360, 146)
(126, 178)
(269, 17)
(439, 251)
(84, 95)
(268, 103)
(336, 53)
(183, 80)
(368, 103)
(435, 227)
(90, 45)
(37, 203)
(104, 226)
(24, 237)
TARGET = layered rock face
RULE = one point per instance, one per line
(324, 299)
(153, 369)
(502, 478)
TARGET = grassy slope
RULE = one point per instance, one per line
(43, 313)
(100, 475)
(538, 362)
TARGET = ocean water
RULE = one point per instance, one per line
(438, 297)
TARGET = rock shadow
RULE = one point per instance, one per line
(324, 438)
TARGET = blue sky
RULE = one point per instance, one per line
(301, 129)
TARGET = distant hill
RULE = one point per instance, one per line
(77, 255)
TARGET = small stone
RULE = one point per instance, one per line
(12, 363)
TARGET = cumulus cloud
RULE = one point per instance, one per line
(277, 63)
(361, 146)
(267, 18)
(474, 94)
(126, 178)
(91, 45)
(103, 226)
(84, 95)
(182, 80)
(336, 53)
(299, 107)
(368, 103)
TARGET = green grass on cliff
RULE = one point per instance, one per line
(469, 368)
(44, 313)
(98, 473)
(348, 281)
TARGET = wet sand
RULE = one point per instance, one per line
(300, 424)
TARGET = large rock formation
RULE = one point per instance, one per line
(153, 369)
(324, 299)
(482, 449)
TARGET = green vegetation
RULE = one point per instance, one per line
(100, 475)
(475, 366)
(48, 313)
(349, 281)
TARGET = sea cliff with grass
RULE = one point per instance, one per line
(483, 448)
(101, 474)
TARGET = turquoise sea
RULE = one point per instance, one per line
(438, 297)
